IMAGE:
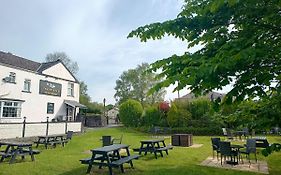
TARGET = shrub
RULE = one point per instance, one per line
(152, 116)
(130, 112)
(177, 116)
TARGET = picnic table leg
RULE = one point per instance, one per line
(121, 166)
(141, 148)
(14, 155)
(31, 153)
(158, 146)
(165, 146)
(91, 163)
(109, 166)
(154, 150)
(6, 151)
(128, 154)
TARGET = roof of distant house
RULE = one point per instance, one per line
(211, 95)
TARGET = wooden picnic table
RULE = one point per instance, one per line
(14, 149)
(50, 140)
(153, 146)
(109, 156)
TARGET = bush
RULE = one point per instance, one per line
(130, 113)
(152, 117)
(200, 131)
(177, 116)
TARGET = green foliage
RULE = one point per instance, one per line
(135, 84)
(199, 131)
(130, 113)
(240, 42)
(275, 147)
(200, 108)
(178, 116)
(152, 116)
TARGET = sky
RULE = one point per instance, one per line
(91, 32)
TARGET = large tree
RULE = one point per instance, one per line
(136, 83)
(240, 44)
(70, 64)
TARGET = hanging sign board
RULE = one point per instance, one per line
(49, 88)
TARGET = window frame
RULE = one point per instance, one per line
(17, 108)
(52, 111)
(70, 89)
(29, 86)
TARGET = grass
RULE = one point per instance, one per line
(65, 161)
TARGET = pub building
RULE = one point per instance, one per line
(36, 90)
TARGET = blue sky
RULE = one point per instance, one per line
(92, 32)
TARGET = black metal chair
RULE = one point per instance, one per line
(216, 146)
(106, 140)
(250, 148)
(226, 152)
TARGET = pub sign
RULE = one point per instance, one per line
(49, 88)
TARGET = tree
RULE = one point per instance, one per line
(130, 113)
(240, 41)
(72, 66)
(135, 84)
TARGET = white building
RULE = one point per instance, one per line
(36, 90)
(112, 115)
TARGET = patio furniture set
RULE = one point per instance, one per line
(228, 150)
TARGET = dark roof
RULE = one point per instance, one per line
(22, 63)
(45, 66)
(16, 61)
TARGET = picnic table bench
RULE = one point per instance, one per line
(51, 140)
(153, 146)
(14, 149)
(109, 156)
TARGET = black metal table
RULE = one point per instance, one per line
(14, 149)
(49, 139)
(237, 149)
(110, 156)
(153, 146)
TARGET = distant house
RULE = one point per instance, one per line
(113, 115)
(36, 90)
(211, 96)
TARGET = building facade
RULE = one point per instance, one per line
(36, 90)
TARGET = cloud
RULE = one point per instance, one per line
(93, 33)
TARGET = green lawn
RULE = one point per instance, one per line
(65, 161)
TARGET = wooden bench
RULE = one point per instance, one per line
(123, 160)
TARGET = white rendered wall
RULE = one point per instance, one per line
(35, 106)
(60, 70)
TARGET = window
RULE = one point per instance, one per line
(50, 108)
(10, 109)
(26, 86)
(12, 77)
(70, 89)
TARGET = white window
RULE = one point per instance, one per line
(12, 77)
(10, 109)
(26, 86)
(70, 89)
